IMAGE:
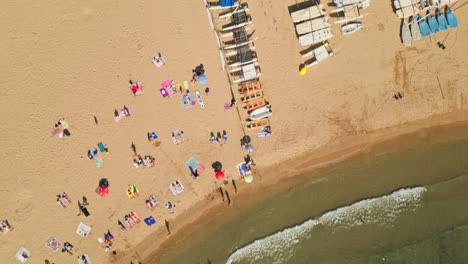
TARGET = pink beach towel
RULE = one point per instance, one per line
(166, 83)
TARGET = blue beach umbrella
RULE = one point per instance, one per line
(202, 79)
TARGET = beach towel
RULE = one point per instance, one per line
(101, 147)
(176, 187)
(159, 60)
(163, 92)
(263, 134)
(22, 255)
(132, 191)
(80, 261)
(177, 137)
(83, 230)
(150, 221)
(53, 243)
(242, 169)
(192, 164)
(187, 100)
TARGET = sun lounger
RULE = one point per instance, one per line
(239, 19)
(254, 104)
(230, 13)
(259, 123)
(23, 255)
(263, 134)
(243, 169)
(250, 96)
(88, 260)
(308, 13)
(176, 187)
(53, 244)
(83, 230)
(315, 37)
(248, 87)
(312, 25)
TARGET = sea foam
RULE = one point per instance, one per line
(280, 246)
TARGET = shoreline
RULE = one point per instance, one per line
(305, 164)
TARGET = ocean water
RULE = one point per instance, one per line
(408, 206)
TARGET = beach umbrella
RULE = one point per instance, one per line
(219, 175)
(202, 79)
(103, 183)
(248, 178)
(217, 166)
(104, 191)
(249, 148)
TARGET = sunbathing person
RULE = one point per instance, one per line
(179, 187)
(135, 217)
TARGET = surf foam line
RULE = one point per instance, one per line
(279, 247)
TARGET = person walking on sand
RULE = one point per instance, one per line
(234, 185)
(228, 198)
(220, 189)
(167, 227)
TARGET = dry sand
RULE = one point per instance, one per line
(72, 60)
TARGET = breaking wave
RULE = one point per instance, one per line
(382, 211)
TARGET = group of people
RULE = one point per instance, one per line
(61, 129)
(5, 226)
(148, 161)
(108, 237)
(199, 70)
(130, 220)
(124, 112)
(152, 201)
(63, 200)
(67, 248)
(219, 138)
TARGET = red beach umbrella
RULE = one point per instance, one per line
(104, 191)
(219, 175)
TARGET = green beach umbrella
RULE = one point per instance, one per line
(248, 178)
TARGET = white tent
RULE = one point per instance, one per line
(23, 255)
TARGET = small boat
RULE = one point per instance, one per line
(351, 28)
(405, 34)
(433, 25)
(262, 112)
(415, 31)
(451, 18)
(442, 21)
(423, 26)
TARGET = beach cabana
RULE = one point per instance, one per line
(240, 38)
(321, 53)
(312, 25)
(307, 13)
(242, 56)
(315, 37)
(248, 71)
(238, 19)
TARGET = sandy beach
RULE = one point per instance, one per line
(73, 60)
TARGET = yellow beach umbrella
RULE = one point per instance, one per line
(303, 70)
